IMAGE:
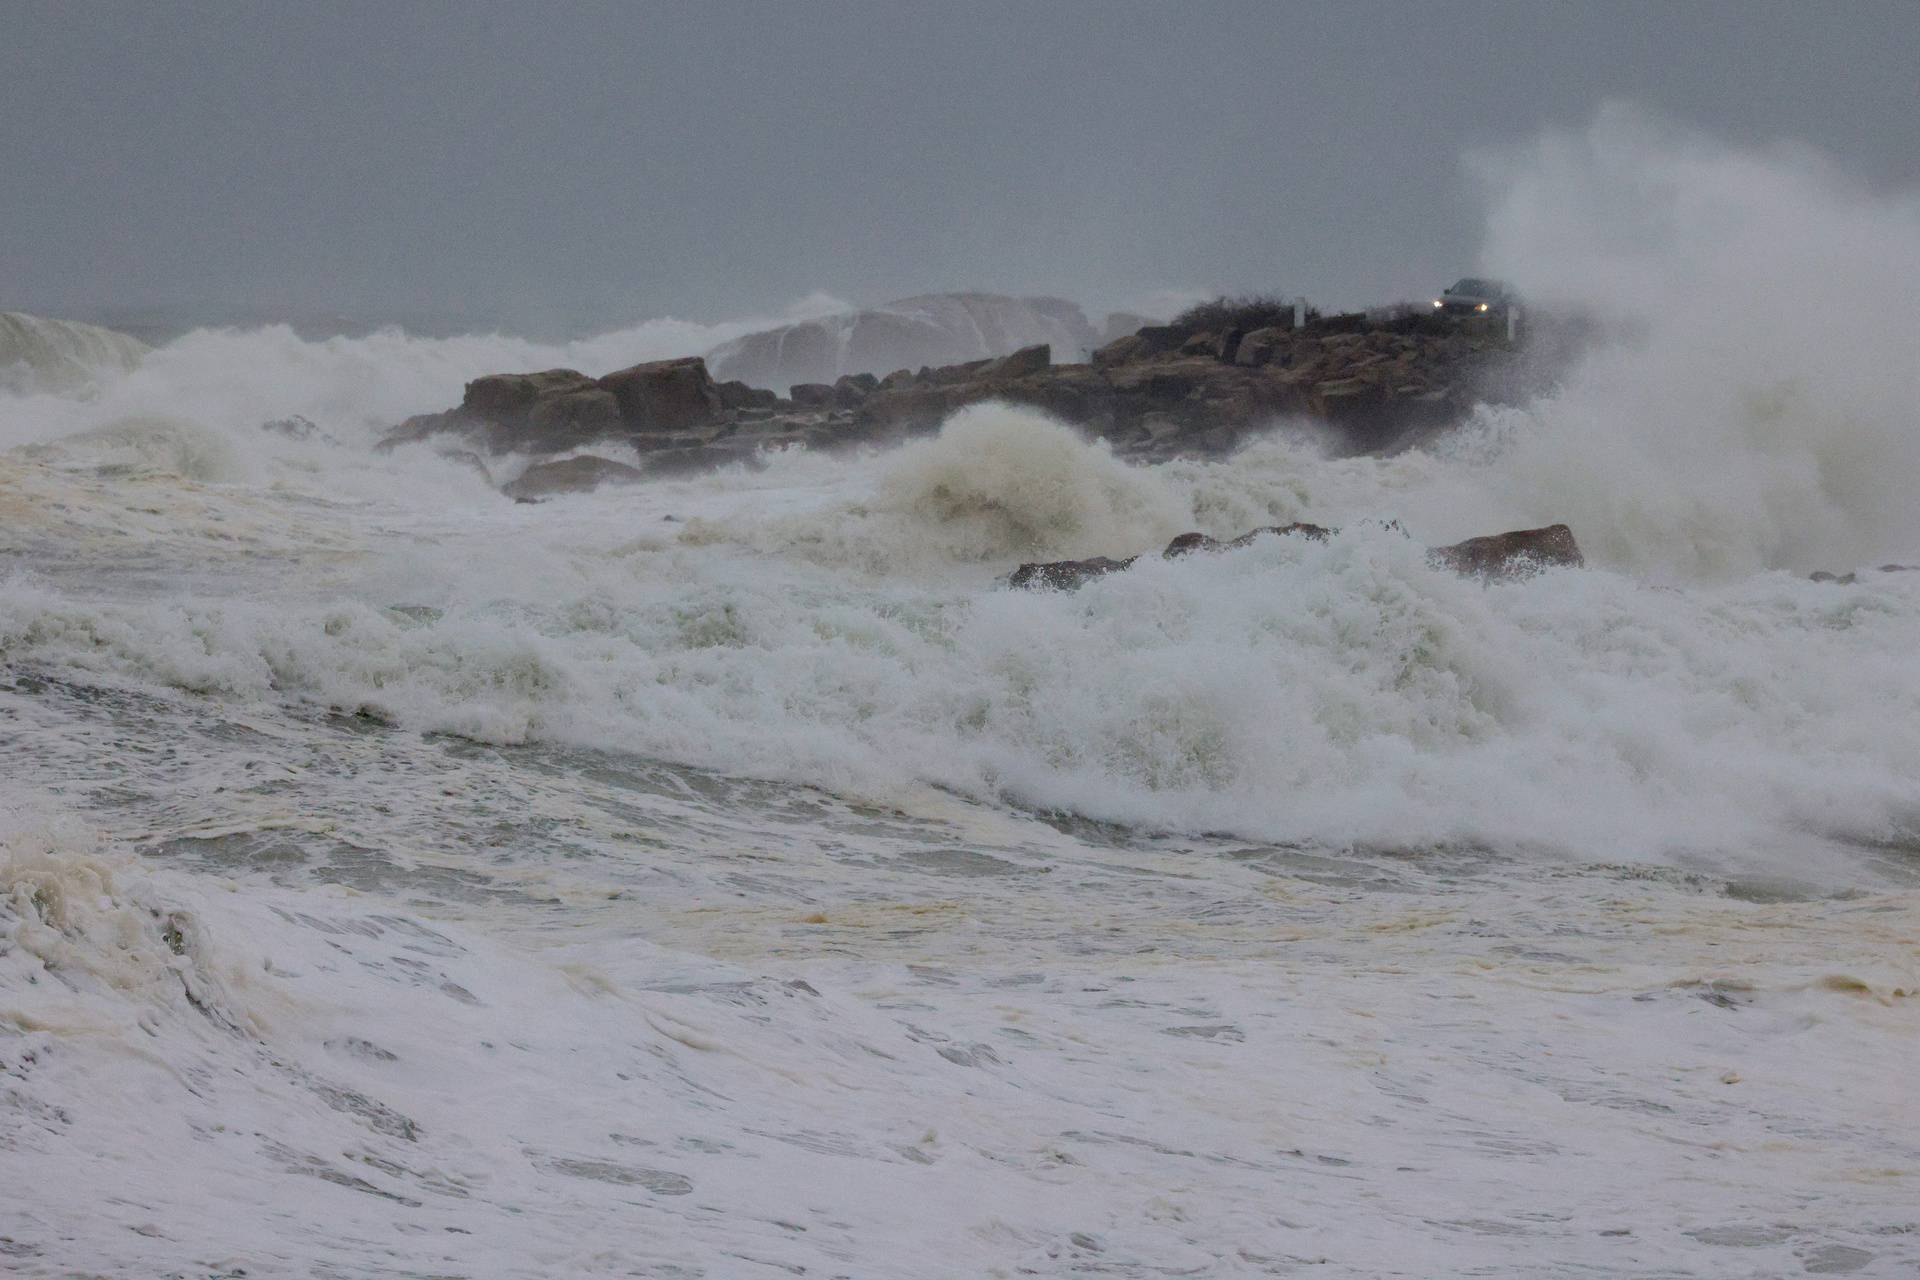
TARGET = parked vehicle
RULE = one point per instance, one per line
(1473, 296)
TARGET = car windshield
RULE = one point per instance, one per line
(1478, 288)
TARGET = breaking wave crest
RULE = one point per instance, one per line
(91, 922)
(1323, 693)
(61, 356)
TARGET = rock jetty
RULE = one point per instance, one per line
(1163, 391)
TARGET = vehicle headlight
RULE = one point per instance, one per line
(1438, 303)
(1483, 306)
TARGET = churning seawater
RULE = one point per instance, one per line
(724, 876)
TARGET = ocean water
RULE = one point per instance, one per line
(726, 876)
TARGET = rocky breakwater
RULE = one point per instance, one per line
(1167, 391)
(1162, 392)
(671, 412)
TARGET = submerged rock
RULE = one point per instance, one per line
(574, 475)
(1188, 543)
(1065, 575)
(1848, 579)
(1500, 555)
(1299, 528)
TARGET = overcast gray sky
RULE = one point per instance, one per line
(576, 163)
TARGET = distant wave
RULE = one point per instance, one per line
(60, 356)
(936, 329)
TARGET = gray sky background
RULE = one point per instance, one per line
(573, 164)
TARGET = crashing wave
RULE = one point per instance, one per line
(61, 357)
(936, 329)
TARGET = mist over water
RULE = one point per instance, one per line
(758, 869)
(1755, 407)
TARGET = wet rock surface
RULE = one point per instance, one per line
(1507, 555)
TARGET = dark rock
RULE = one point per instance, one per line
(507, 398)
(1123, 351)
(954, 374)
(569, 420)
(850, 389)
(573, 475)
(1259, 347)
(1065, 575)
(666, 395)
(811, 395)
(1188, 543)
(1025, 361)
(1314, 532)
(1142, 344)
(1507, 555)
(738, 395)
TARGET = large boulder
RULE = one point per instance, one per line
(1259, 347)
(1508, 555)
(664, 396)
(850, 389)
(507, 398)
(738, 395)
(560, 409)
(571, 419)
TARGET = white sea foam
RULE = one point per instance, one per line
(1334, 692)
